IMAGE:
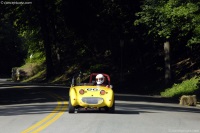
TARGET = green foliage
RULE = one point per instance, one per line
(165, 19)
(31, 41)
(97, 67)
(81, 33)
(37, 57)
(187, 87)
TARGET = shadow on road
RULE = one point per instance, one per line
(104, 112)
(151, 108)
(26, 109)
(18, 93)
(22, 99)
(145, 98)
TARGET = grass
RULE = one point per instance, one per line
(187, 87)
(36, 77)
(34, 68)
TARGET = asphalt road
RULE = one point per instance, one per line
(32, 108)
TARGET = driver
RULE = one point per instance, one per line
(100, 79)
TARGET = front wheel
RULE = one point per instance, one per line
(71, 108)
(111, 109)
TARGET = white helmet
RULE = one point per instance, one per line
(99, 79)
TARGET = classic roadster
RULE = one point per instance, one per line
(91, 96)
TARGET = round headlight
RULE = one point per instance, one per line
(102, 92)
(81, 91)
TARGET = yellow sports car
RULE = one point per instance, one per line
(93, 95)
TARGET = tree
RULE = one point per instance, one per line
(168, 19)
(11, 51)
(34, 24)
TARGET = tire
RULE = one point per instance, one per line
(71, 108)
(111, 109)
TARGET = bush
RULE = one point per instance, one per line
(37, 57)
(187, 87)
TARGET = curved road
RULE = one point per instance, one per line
(32, 108)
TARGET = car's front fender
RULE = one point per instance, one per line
(109, 100)
(73, 96)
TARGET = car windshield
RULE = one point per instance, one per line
(84, 84)
(89, 80)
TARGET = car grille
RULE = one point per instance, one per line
(92, 100)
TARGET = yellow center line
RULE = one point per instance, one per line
(52, 117)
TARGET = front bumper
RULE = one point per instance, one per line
(96, 102)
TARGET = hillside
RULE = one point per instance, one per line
(148, 81)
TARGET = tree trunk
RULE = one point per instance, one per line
(167, 63)
(47, 43)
